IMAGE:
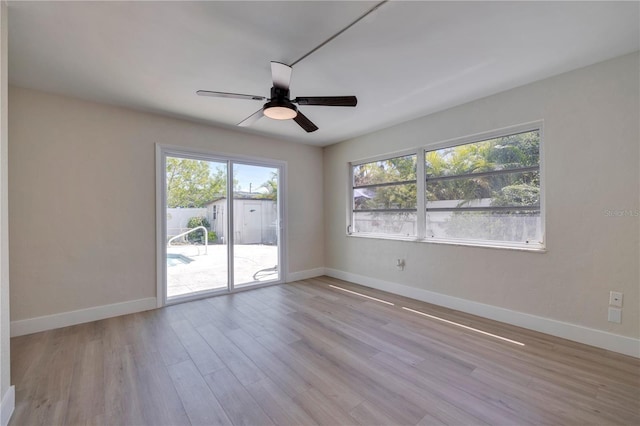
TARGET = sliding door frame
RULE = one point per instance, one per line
(162, 152)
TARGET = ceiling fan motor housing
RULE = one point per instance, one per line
(279, 94)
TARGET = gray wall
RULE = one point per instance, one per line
(82, 199)
(591, 163)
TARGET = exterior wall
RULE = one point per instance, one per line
(93, 166)
(218, 220)
(257, 227)
(261, 226)
(590, 166)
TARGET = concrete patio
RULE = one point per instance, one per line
(191, 270)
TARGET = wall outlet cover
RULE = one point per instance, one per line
(615, 315)
(615, 299)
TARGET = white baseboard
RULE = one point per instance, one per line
(303, 275)
(577, 333)
(7, 406)
(64, 319)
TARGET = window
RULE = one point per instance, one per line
(488, 190)
(384, 196)
(480, 191)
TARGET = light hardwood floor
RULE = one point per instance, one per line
(306, 353)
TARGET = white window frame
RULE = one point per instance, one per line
(421, 189)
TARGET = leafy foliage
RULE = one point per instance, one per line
(194, 222)
(395, 172)
(191, 183)
(506, 153)
(400, 193)
(271, 188)
(396, 169)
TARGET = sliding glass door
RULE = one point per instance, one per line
(256, 225)
(209, 242)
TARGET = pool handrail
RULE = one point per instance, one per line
(206, 237)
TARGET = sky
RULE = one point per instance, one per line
(248, 176)
(254, 175)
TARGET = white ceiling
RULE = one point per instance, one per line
(405, 60)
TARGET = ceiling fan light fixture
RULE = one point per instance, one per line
(280, 110)
(280, 106)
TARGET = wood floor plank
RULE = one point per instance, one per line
(200, 352)
(491, 406)
(86, 394)
(246, 298)
(323, 410)
(331, 334)
(306, 353)
(317, 375)
(287, 379)
(49, 399)
(160, 402)
(245, 320)
(121, 390)
(201, 405)
(239, 405)
(367, 413)
(164, 338)
(205, 311)
(346, 323)
(562, 411)
(274, 297)
(278, 405)
(274, 328)
(216, 314)
(29, 355)
(242, 367)
(368, 383)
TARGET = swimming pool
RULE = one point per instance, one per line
(174, 259)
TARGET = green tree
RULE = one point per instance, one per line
(191, 183)
(271, 187)
(399, 192)
(510, 152)
(504, 190)
(397, 173)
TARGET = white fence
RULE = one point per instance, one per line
(255, 220)
(178, 218)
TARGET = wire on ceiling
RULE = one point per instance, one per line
(374, 8)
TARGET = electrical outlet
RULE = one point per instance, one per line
(615, 315)
(615, 299)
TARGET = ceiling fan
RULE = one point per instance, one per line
(279, 106)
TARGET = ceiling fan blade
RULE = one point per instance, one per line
(347, 101)
(281, 75)
(305, 123)
(252, 118)
(229, 95)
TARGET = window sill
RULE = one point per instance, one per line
(488, 245)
